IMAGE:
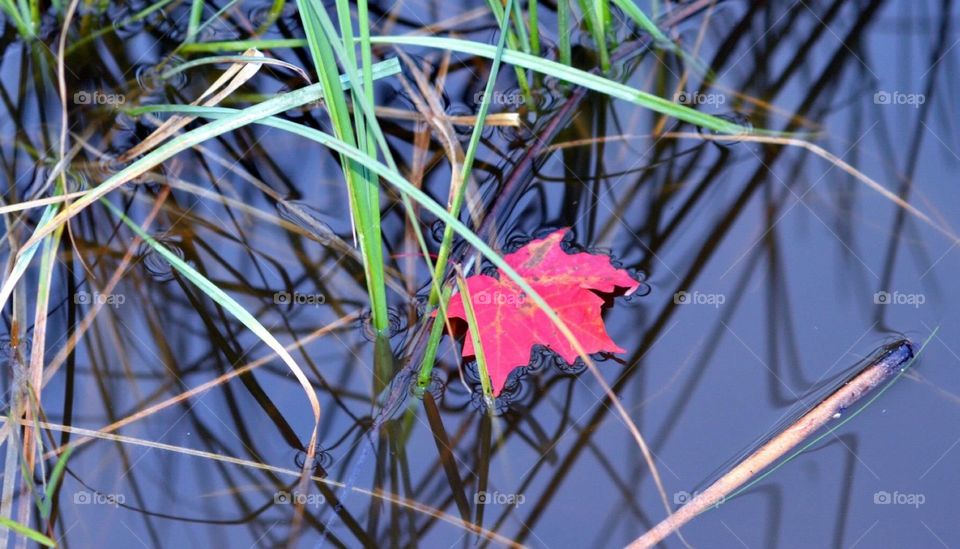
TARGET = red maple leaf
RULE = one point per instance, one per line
(511, 323)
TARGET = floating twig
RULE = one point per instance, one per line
(890, 361)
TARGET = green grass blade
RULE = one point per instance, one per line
(54, 482)
(193, 26)
(366, 105)
(241, 45)
(275, 11)
(534, 19)
(574, 76)
(433, 343)
(518, 23)
(641, 19)
(26, 532)
(563, 28)
(500, 13)
(216, 15)
(661, 39)
(593, 15)
(472, 147)
(379, 70)
(446, 243)
(363, 190)
(367, 126)
(16, 16)
(228, 303)
(474, 330)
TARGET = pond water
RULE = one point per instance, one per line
(769, 270)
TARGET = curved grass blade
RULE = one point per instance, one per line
(574, 76)
(237, 119)
(381, 69)
(216, 59)
(238, 311)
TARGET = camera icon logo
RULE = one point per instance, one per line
(881, 98)
(881, 298)
(83, 98)
(281, 298)
(681, 298)
(882, 497)
(81, 498)
(282, 498)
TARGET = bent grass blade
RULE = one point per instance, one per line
(574, 76)
(238, 311)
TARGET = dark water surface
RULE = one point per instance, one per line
(771, 272)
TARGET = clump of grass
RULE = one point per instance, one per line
(25, 16)
(344, 64)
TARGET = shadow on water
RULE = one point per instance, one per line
(766, 272)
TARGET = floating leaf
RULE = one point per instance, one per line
(511, 324)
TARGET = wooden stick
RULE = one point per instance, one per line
(891, 360)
